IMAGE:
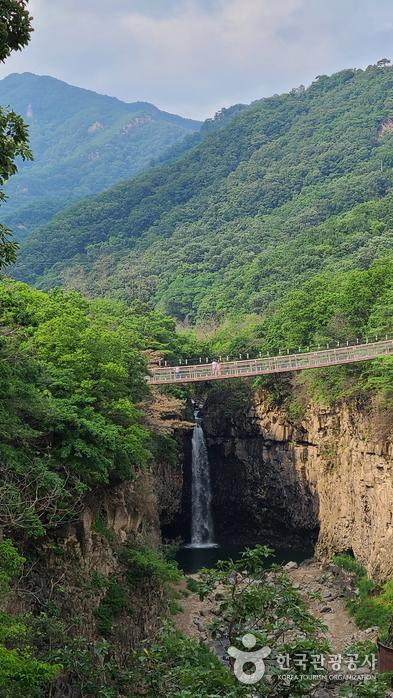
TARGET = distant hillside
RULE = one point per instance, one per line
(291, 186)
(83, 143)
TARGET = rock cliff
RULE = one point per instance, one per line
(326, 478)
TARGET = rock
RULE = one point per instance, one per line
(312, 589)
(291, 566)
(198, 624)
(232, 578)
(322, 693)
(219, 596)
(326, 594)
(202, 613)
(322, 608)
(372, 630)
(310, 492)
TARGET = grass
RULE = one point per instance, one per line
(193, 585)
(366, 609)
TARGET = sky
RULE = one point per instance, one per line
(193, 57)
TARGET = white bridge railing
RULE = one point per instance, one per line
(266, 365)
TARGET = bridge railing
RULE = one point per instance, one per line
(268, 365)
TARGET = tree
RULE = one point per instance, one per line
(15, 26)
(383, 63)
(260, 599)
(15, 31)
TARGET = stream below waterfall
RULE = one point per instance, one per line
(191, 560)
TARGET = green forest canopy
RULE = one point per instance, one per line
(293, 185)
(72, 375)
(83, 142)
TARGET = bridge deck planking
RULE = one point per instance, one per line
(270, 365)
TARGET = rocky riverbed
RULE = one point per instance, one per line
(325, 589)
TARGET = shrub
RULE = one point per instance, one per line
(146, 565)
(113, 603)
(99, 526)
(368, 610)
(181, 666)
(347, 562)
(20, 674)
(10, 564)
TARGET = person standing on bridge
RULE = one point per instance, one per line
(218, 369)
(214, 368)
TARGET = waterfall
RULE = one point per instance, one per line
(202, 528)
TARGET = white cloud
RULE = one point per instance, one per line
(194, 56)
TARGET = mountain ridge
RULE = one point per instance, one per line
(242, 216)
(35, 77)
(83, 142)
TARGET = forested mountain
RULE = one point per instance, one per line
(293, 185)
(82, 142)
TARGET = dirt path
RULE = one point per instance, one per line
(330, 607)
(194, 613)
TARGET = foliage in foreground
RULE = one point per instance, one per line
(21, 673)
(45, 648)
(251, 598)
(176, 665)
(70, 375)
(15, 31)
(255, 599)
(376, 688)
(261, 600)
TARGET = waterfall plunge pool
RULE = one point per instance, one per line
(191, 558)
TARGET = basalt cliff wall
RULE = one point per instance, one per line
(325, 479)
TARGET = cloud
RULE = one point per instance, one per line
(195, 56)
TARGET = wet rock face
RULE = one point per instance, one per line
(259, 495)
(331, 471)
